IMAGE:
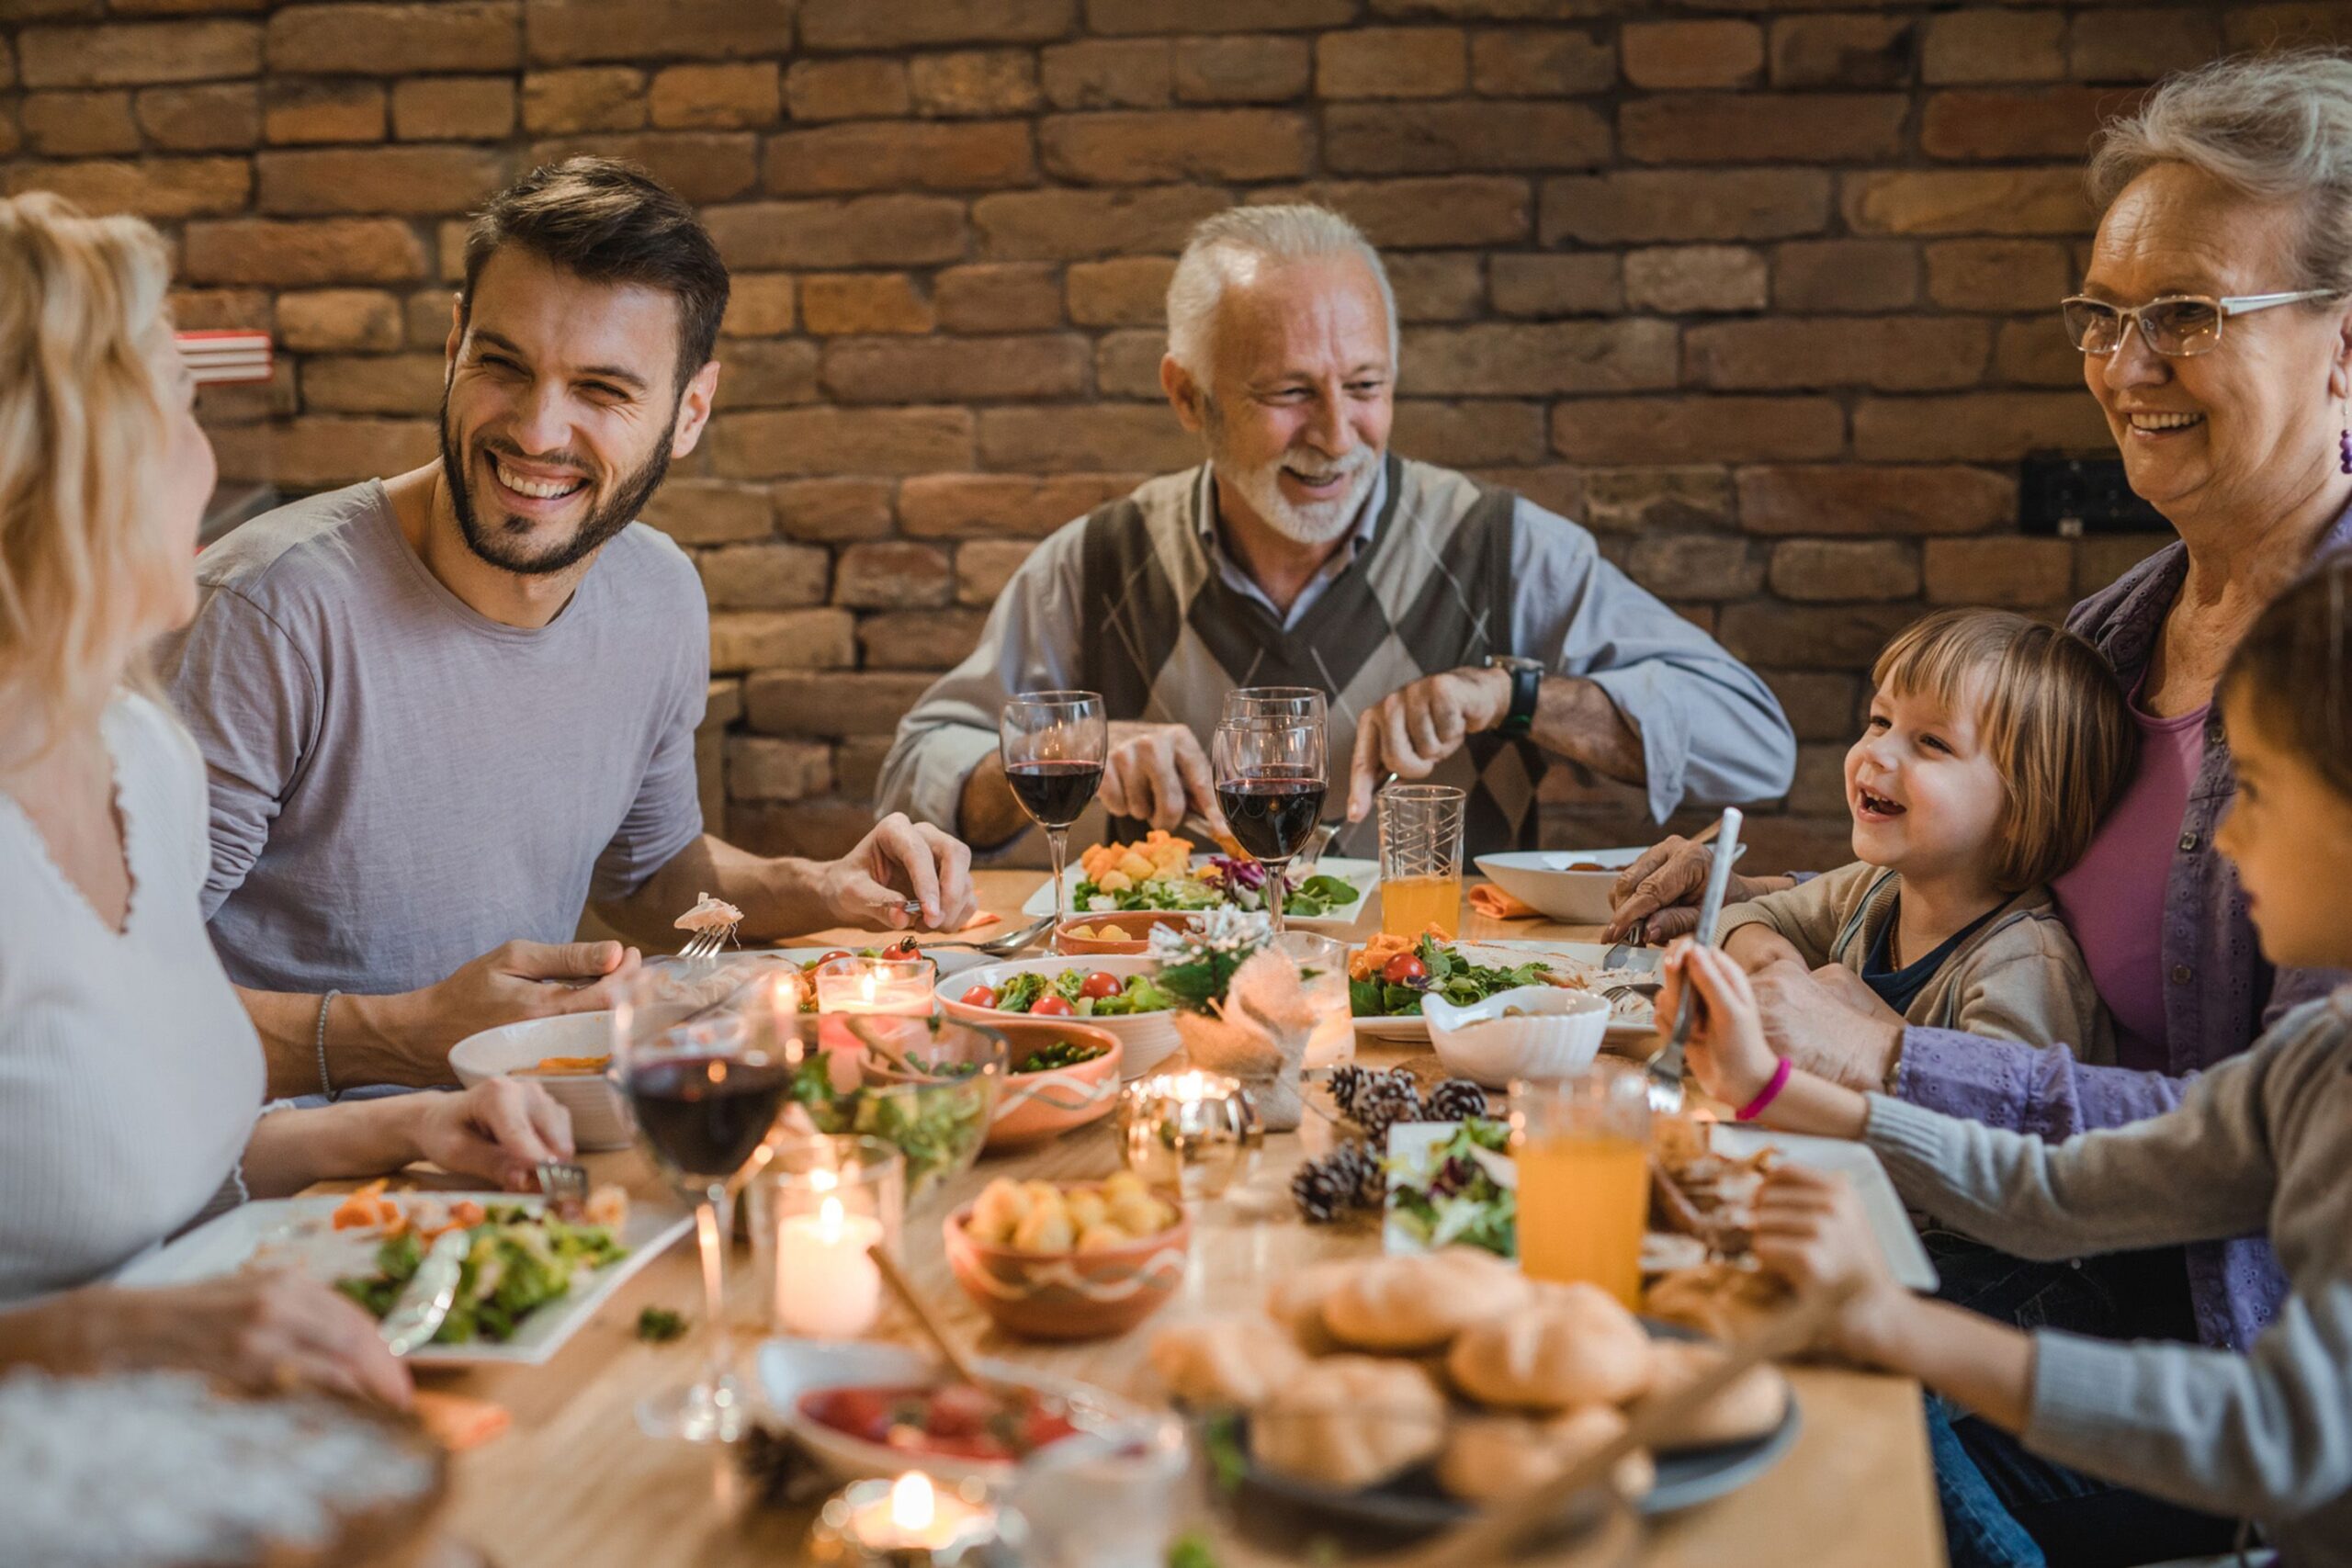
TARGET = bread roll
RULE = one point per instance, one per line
(1237, 1361)
(1349, 1422)
(1400, 1305)
(1491, 1457)
(1572, 1346)
(1750, 1407)
(1296, 1301)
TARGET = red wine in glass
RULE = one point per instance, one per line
(1055, 795)
(703, 1115)
(1271, 811)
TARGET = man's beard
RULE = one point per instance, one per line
(504, 546)
(1316, 523)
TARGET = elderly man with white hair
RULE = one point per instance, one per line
(1461, 634)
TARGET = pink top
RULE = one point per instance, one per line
(2114, 897)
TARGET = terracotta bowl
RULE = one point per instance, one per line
(1137, 923)
(1032, 1107)
(1069, 1295)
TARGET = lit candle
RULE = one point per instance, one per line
(901, 988)
(914, 1516)
(909, 1523)
(826, 1287)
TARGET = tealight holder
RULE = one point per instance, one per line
(906, 987)
(815, 1209)
(1189, 1133)
(911, 1523)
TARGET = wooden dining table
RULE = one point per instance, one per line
(573, 1483)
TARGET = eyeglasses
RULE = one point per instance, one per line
(2179, 326)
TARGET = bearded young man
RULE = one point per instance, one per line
(443, 711)
(1461, 634)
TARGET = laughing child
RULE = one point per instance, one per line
(2261, 1143)
(1994, 746)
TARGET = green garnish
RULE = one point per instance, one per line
(1060, 1053)
(517, 1261)
(659, 1326)
(1451, 975)
(1449, 1194)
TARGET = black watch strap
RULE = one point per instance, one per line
(1526, 685)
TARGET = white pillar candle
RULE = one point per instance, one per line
(826, 1287)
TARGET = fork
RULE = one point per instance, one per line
(706, 945)
(564, 1183)
(1665, 1068)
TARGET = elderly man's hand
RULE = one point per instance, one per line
(1814, 1023)
(1157, 774)
(1657, 898)
(1411, 730)
(869, 887)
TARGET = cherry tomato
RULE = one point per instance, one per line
(1403, 969)
(901, 950)
(1101, 984)
(1050, 1006)
(978, 997)
(825, 958)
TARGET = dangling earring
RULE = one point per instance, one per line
(2343, 447)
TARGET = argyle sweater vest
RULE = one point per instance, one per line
(1166, 638)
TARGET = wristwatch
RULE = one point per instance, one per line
(1526, 682)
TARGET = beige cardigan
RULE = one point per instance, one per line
(2020, 977)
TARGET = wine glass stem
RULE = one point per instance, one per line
(1057, 847)
(713, 1223)
(1275, 870)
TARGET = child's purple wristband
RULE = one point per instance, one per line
(1770, 1092)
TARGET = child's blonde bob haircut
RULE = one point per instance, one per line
(85, 563)
(2048, 713)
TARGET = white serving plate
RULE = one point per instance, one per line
(300, 1233)
(1905, 1257)
(1363, 876)
(1145, 1040)
(600, 1118)
(789, 1368)
(1541, 877)
(1632, 1024)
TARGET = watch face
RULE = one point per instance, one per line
(1512, 661)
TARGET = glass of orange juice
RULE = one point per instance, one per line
(1581, 1145)
(1421, 858)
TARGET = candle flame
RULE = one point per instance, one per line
(911, 1504)
(823, 1180)
(829, 1219)
(865, 985)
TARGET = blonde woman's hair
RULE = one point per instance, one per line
(85, 418)
(2049, 714)
(2278, 127)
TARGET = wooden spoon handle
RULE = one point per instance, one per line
(903, 1288)
(1489, 1537)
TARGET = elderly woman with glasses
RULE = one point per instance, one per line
(2215, 322)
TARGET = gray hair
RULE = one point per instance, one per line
(1222, 245)
(2276, 126)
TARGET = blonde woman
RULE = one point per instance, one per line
(131, 1079)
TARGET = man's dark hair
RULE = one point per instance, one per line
(609, 222)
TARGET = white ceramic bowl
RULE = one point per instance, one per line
(1542, 877)
(1145, 1040)
(1560, 1033)
(600, 1118)
(790, 1368)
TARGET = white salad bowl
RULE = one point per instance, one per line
(1542, 877)
(600, 1118)
(1559, 1033)
(1145, 1040)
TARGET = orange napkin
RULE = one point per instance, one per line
(976, 921)
(458, 1421)
(1492, 901)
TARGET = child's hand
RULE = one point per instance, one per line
(1728, 1052)
(1810, 1230)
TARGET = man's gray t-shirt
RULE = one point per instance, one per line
(400, 783)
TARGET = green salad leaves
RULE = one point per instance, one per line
(1462, 1190)
(517, 1261)
(1449, 974)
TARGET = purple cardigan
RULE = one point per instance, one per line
(2220, 992)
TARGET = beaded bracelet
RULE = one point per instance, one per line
(324, 1002)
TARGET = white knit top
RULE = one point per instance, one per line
(130, 1074)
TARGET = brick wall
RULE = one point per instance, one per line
(1759, 290)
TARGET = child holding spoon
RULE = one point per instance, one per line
(2260, 1144)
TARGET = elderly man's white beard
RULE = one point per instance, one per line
(1318, 522)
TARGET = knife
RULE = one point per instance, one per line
(1665, 1068)
(417, 1315)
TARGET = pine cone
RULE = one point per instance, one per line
(1457, 1100)
(1386, 1102)
(1355, 1163)
(1324, 1193)
(1345, 1082)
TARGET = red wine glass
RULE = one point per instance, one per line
(1054, 745)
(1270, 785)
